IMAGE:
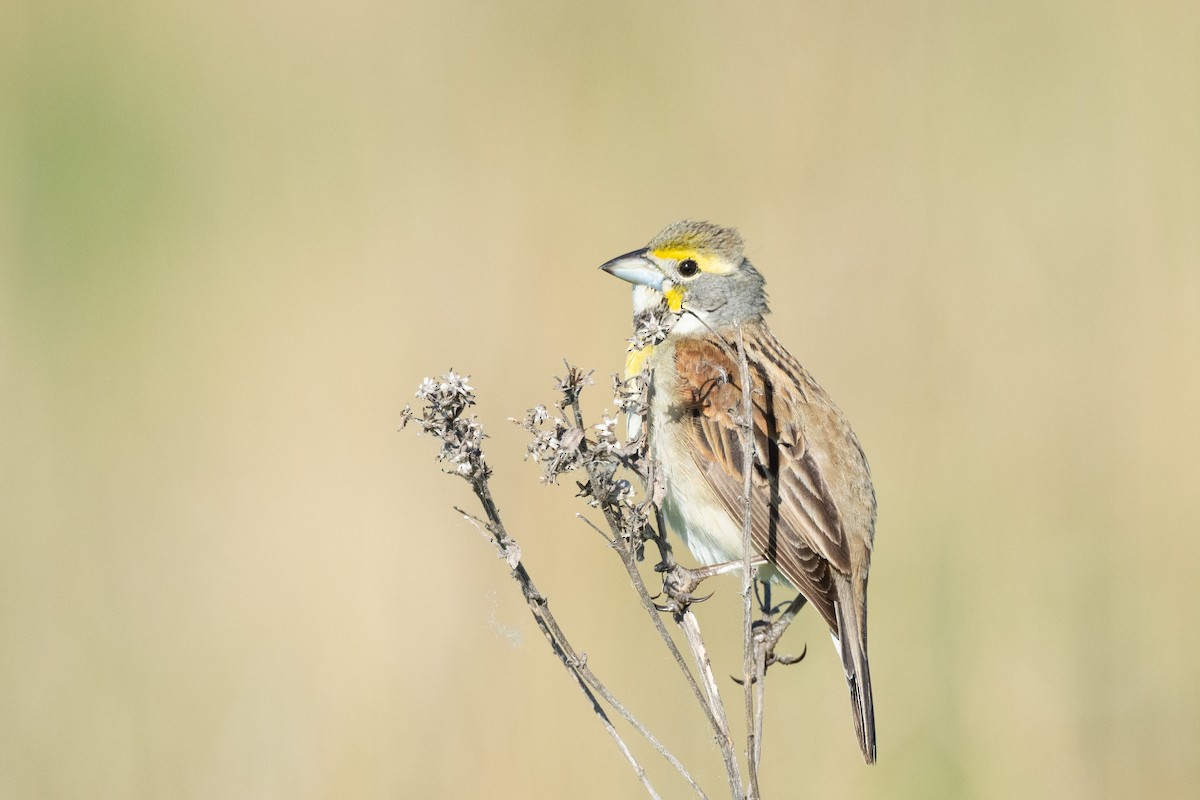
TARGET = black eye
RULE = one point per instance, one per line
(688, 267)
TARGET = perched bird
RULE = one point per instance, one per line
(813, 505)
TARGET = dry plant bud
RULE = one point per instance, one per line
(652, 326)
(555, 444)
(444, 401)
(572, 384)
(629, 394)
(606, 437)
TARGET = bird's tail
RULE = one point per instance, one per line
(852, 629)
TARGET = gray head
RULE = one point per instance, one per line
(700, 269)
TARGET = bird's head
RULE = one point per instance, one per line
(700, 270)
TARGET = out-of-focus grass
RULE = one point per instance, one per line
(233, 238)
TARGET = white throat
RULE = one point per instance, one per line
(645, 298)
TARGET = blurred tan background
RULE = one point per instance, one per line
(234, 237)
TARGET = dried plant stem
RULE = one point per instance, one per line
(635, 577)
(611, 699)
(760, 692)
(710, 699)
(691, 630)
(752, 678)
(575, 664)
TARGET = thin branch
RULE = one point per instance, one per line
(752, 680)
(594, 527)
(608, 696)
(691, 630)
(638, 769)
(710, 700)
(573, 662)
(760, 692)
(718, 721)
(635, 577)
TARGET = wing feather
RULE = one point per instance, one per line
(794, 520)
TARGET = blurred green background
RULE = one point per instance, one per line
(235, 236)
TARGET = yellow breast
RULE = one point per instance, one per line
(635, 361)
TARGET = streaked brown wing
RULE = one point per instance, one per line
(794, 521)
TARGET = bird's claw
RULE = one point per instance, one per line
(678, 602)
(785, 660)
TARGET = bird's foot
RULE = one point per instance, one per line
(679, 587)
(768, 634)
(679, 583)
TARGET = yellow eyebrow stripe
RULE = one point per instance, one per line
(705, 261)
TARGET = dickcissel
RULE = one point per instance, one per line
(813, 505)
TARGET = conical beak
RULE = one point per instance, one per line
(636, 268)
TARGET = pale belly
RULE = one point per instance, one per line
(692, 509)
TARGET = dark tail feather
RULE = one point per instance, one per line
(852, 627)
